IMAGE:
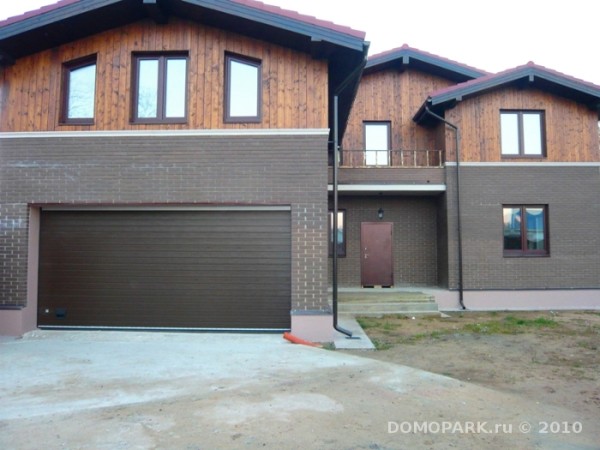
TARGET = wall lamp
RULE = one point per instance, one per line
(380, 214)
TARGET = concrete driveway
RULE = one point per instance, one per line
(128, 390)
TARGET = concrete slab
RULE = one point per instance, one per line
(359, 340)
(129, 390)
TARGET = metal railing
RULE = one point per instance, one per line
(391, 158)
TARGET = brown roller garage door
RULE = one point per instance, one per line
(165, 269)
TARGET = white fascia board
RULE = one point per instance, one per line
(169, 133)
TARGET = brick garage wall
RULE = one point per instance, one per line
(244, 169)
(415, 238)
(572, 194)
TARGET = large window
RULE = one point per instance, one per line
(525, 230)
(159, 88)
(341, 233)
(522, 133)
(242, 89)
(79, 91)
(377, 143)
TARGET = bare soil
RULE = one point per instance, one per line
(546, 357)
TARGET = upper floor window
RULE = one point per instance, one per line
(79, 91)
(522, 133)
(341, 233)
(159, 88)
(377, 143)
(525, 230)
(242, 89)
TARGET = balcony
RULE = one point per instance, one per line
(399, 168)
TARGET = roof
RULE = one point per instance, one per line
(407, 56)
(69, 20)
(527, 75)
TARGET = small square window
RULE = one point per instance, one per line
(525, 230)
(159, 88)
(79, 91)
(341, 233)
(377, 143)
(243, 89)
(522, 133)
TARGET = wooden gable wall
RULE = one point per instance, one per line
(390, 95)
(294, 85)
(571, 128)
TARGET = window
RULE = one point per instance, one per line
(79, 91)
(242, 89)
(377, 143)
(159, 88)
(522, 133)
(525, 230)
(341, 233)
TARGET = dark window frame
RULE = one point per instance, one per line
(524, 251)
(257, 63)
(521, 131)
(341, 245)
(162, 58)
(67, 68)
(388, 124)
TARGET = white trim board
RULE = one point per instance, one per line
(389, 187)
(525, 164)
(169, 133)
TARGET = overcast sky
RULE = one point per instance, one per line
(561, 35)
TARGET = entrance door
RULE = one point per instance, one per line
(376, 254)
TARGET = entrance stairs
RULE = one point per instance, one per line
(382, 301)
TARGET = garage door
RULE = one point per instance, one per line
(165, 269)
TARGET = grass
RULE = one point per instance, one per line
(510, 325)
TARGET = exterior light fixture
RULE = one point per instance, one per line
(380, 214)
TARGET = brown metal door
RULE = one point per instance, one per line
(376, 254)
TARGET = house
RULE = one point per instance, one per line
(163, 164)
(482, 186)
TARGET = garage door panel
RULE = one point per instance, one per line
(192, 269)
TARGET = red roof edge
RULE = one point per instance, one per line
(37, 12)
(372, 59)
(301, 17)
(491, 76)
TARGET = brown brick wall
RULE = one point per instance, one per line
(571, 193)
(134, 170)
(415, 238)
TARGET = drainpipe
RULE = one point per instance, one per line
(458, 213)
(336, 164)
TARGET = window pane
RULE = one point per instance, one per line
(147, 105)
(82, 87)
(243, 89)
(512, 228)
(176, 87)
(509, 124)
(532, 133)
(535, 228)
(377, 141)
(340, 233)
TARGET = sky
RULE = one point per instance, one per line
(490, 35)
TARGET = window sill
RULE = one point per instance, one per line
(526, 255)
(75, 122)
(159, 122)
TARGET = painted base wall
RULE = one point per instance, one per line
(316, 328)
(530, 300)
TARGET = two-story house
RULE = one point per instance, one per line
(484, 186)
(163, 164)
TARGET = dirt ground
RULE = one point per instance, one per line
(547, 357)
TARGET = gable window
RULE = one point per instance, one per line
(522, 133)
(159, 88)
(242, 89)
(525, 230)
(377, 143)
(341, 233)
(79, 91)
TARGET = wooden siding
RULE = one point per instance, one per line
(571, 128)
(294, 85)
(393, 96)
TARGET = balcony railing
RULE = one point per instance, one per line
(391, 158)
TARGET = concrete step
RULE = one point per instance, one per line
(381, 308)
(384, 296)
